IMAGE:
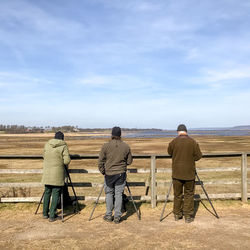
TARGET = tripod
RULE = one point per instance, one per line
(136, 210)
(202, 186)
(75, 201)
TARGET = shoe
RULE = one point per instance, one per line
(54, 219)
(117, 220)
(108, 218)
(177, 217)
(189, 219)
(45, 216)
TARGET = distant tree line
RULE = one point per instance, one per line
(21, 129)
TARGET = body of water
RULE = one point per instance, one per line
(170, 133)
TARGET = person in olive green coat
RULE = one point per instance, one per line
(184, 152)
(56, 155)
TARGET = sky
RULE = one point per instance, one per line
(128, 63)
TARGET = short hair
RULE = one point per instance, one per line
(182, 127)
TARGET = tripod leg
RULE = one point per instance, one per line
(97, 200)
(67, 172)
(77, 204)
(39, 202)
(216, 215)
(148, 181)
(138, 215)
(166, 200)
(62, 202)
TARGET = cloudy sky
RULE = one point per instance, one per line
(132, 63)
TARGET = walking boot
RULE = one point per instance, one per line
(189, 219)
(177, 217)
(54, 218)
(108, 218)
(117, 220)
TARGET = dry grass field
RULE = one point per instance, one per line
(21, 229)
(32, 144)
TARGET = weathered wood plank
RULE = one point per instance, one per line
(75, 184)
(21, 171)
(130, 170)
(135, 156)
(224, 196)
(153, 181)
(85, 198)
(73, 171)
(244, 177)
(221, 169)
(22, 184)
(214, 183)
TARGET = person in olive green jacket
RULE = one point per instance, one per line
(184, 152)
(56, 155)
(113, 160)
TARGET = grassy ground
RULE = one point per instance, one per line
(21, 229)
(79, 144)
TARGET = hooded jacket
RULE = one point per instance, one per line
(56, 155)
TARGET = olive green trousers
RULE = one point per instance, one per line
(184, 206)
(55, 192)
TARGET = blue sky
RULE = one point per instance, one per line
(132, 63)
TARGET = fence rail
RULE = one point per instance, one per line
(152, 183)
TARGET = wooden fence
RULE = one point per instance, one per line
(153, 183)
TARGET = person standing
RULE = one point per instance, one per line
(113, 160)
(184, 152)
(56, 155)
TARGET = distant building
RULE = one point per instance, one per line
(76, 130)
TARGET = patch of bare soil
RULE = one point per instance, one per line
(22, 229)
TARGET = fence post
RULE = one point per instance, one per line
(153, 183)
(244, 177)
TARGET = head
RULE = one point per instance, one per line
(59, 135)
(182, 129)
(116, 133)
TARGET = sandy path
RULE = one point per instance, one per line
(25, 230)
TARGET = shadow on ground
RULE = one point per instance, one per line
(72, 210)
(130, 210)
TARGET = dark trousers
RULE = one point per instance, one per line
(55, 192)
(183, 206)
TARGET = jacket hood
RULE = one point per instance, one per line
(56, 143)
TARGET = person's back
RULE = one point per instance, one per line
(113, 160)
(184, 151)
(55, 156)
(117, 156)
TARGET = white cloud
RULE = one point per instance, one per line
(34, 18)
(147, 6)
(153, 60)
(24, 25)
(225, 74)
(114, 82)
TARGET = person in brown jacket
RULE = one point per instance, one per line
(113, 160)
(184, 152)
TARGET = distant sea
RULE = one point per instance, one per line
(172, 133)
